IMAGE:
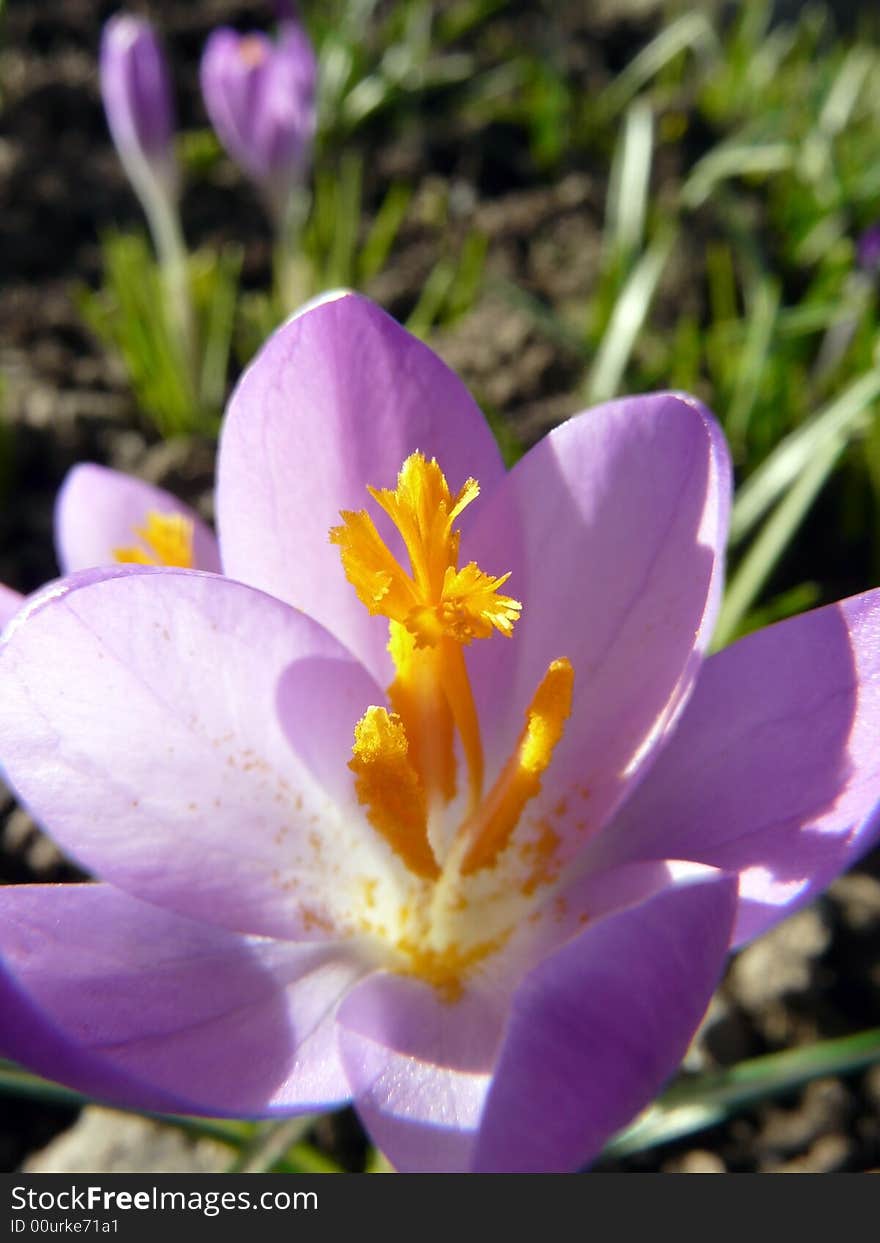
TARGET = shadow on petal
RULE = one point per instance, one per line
(151, 1010)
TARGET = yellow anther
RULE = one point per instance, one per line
(168, 539)
(388, 786)
(489, 831)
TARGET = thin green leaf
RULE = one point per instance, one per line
(269, 1144)
(434, 293)
(843, 417)
(384, 231)
(845, 90)
(753, 360)
(692, 31)
(696, 1104)
(630, 180)
(735, 160)
(775, 536)
(17, 1082)
(629, 314)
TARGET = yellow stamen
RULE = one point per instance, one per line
(404, 760)
(520, 780)
(388, 786)
(169, 539)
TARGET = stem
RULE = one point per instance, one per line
(164, 222)
(289, 218)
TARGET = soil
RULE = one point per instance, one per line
(65, 401)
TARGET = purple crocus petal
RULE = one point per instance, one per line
(136, 90)
(155, 1011)
(10, 602)
(419, 1067)
(99, 510)
(260, 97)
(419, 1063)
(613, 528)
(774, 768)
(336, 400)
(285, 120)
(599, 1026)
(143, 720)
(230, 75)
(868, 249)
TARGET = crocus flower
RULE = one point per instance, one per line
(260, 97)
(103, 517)
(136, 89)
(868, 249)
(431, 802)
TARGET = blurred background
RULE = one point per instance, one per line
(568, 201)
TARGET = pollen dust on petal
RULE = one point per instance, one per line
(540, 854)
(316, 921)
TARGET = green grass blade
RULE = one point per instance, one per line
(17, 1082)
(845, 90)
(754, 358)
(692, 31)
(384, 231)
(257, 1147)
(696, 1104)
(841, 418)
(630, 181)
(629, 314)
(434, 293)
(735, 159)
(774, 538)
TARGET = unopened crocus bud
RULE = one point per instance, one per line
(868, 249)
(136, 89)
(260, 96)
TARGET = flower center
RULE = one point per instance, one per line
(168, 539)
(405, 761)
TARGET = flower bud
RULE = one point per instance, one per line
(260, 96)
(136, 90)
(868, 250)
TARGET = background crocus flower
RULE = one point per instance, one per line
(502, 967)
(260, 97)
(868, 249)
(104, 516)
(136, 90)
